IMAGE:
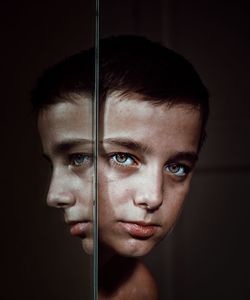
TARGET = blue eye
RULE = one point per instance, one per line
(177, 169)
(80, 159)
(123, 159)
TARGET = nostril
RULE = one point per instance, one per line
(151, 209)
(61, 205)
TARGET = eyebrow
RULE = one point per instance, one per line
(128, 143)
(190, 156)
(131, 144)
(67, 144)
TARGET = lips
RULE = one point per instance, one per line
(79, 229)
(139, 229)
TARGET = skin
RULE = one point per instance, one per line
(147, 155)
(66, 133)
(147, 162)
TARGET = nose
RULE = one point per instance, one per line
(149, 191)
(60, 194)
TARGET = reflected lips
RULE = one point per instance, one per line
(139, 229)
(79, 229)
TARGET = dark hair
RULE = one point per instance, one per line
(128, 64)
(73, 75)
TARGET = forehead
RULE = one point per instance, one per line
(65, 120)
(178, 125)
(74, 113)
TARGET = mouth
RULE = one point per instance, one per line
(139, 229)
(79, 228)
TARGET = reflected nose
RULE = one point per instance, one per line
(149, 193)
(60, 193)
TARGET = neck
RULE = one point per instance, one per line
(105, 256)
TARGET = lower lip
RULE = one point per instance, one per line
(80, 229)
(138, 230)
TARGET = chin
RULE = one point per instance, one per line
(87, 246)
(134, 247)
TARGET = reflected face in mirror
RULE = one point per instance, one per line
(66, 133)
(147, 156)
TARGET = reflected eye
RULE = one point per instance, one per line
(178, 169)
(123, 159)
(80, 159)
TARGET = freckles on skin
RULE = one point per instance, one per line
(149, 115)
(153, 135)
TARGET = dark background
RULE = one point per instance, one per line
(207, 255)
(40, 258)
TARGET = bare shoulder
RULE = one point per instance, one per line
(131, 281)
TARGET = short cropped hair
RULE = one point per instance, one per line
(127, 65)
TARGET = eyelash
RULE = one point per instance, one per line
(185, 170)
(86, 159)
(113, 158)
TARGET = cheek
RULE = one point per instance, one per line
(110, 195)
(82, 188)
(113, 190)
(114, 200)
(172, 205)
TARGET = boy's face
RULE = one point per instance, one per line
(66, 133)
(146, 158)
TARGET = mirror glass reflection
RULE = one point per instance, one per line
(62, 100)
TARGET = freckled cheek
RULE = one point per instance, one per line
(111, 194)
(114, 189)
(114, 196)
